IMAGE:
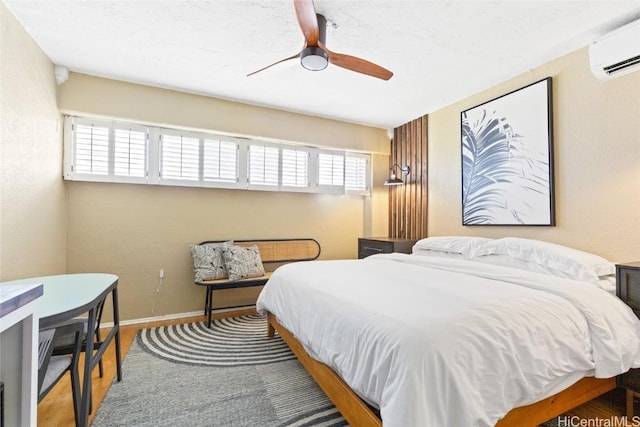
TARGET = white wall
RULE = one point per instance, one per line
(597, 161)
(33, 228)
(135, 230)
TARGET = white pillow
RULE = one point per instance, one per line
(545, 257)
(509, 261)
(432, 252)
(453, 246)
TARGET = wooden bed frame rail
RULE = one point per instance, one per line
(358, 413)
(352, 408)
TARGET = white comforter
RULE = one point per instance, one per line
(448, 342)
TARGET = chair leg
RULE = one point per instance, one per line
(100, 364)
(75, 393)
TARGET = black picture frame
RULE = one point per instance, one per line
(507, 159)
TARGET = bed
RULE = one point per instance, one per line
(466, 336)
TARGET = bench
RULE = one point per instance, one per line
(273, 252)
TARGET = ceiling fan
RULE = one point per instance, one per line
(315, 56)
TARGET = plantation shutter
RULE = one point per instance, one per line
(331, 172)
(91, 148)
(180, 157)
(355, 173)
(220, 161)
(101, 150)
(264, 165)
(130, 152)
(295, 168)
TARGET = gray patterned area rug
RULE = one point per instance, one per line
(230, 375)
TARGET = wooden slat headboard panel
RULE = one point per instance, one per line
(408, 207)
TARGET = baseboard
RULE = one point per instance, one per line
(170, 317)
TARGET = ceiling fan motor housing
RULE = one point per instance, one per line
(315, 58)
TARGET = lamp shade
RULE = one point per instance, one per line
(393, 180)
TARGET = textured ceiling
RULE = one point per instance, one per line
(439, 51)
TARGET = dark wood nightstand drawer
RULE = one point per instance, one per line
(368, 247)
(383, 245)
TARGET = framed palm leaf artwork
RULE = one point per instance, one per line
(507, 159)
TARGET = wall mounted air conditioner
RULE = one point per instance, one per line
(617, 53)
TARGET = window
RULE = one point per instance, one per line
(295, 168)
(264, 165)
(109, 151)
(355, 173)
(92, 149)
(106, 151)
(331, 172)
(179, 157)
(194, 159)
(130, 152)
(278, 167)
(220, 161)
(330, 169)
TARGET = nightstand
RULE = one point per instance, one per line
(383, 245)
(628, 290)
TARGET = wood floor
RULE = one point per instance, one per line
(56, 410)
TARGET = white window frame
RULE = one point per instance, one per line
(154, 156)
(367, 179)
(186, 182)
(262, 186)
(307, 188)
(233, 183)
(328, 188)
(155, 160)
(69, 161)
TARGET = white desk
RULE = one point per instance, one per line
(68, 295)
(19, 352)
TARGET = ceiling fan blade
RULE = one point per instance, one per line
(275, 63)
(357, 64)
(308, 21)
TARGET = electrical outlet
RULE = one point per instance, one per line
(161, 274)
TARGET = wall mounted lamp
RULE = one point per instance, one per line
(393, 178)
